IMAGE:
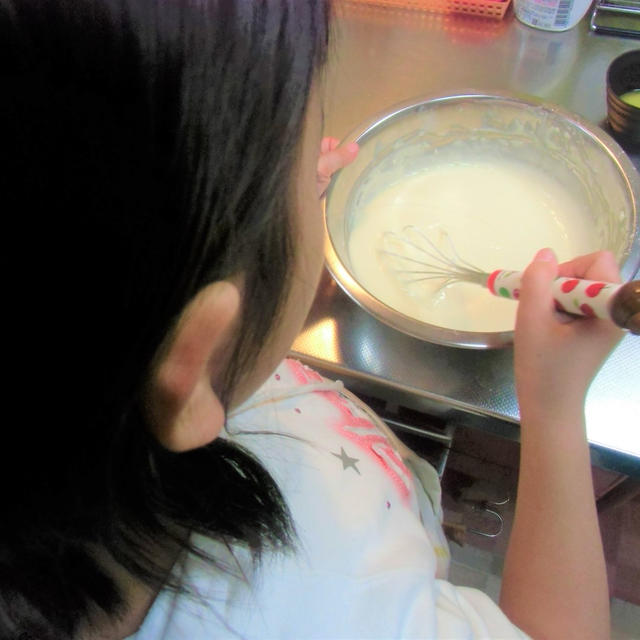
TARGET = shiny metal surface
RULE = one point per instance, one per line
(616, 17)
(456, 128)
(382, 57)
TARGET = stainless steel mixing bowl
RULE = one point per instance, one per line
(418, 133)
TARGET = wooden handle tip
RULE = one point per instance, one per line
(625, 307)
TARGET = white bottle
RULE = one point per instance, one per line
(551, 15)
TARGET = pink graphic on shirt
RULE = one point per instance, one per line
(360, 431)
(302, 374)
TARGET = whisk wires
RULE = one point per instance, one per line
(416, 258)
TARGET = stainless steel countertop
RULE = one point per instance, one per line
(381, 57)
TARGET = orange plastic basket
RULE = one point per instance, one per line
(486, 8)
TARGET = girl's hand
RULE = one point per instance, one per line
(332, 157)
(556, 356)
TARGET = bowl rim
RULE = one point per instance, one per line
(442, 335)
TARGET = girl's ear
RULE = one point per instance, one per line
(182, 403)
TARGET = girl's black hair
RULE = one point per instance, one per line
(147, 148)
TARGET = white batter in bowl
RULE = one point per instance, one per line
(497, 213)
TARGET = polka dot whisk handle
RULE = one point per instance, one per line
(619, 303)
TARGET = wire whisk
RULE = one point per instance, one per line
(416, 258)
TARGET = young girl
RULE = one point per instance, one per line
(165, 473)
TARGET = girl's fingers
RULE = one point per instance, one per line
(328, 144)
(331, 161)
(536, 300)
(600, 265)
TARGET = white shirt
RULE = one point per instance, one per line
(370, 560)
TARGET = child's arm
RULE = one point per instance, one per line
(554, 583)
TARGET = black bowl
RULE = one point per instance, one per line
(623, 75)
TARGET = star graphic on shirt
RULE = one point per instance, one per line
(347, 461)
